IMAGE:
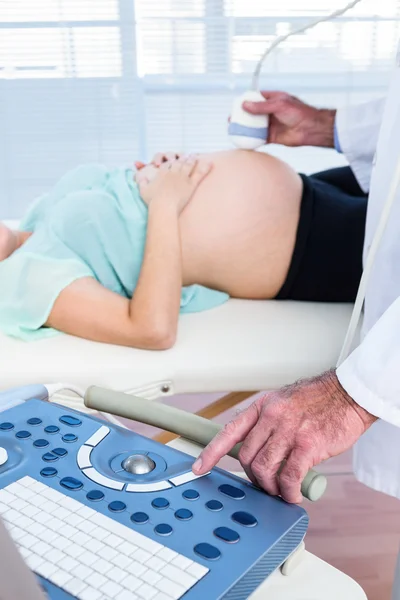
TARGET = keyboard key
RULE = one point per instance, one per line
(146, 591)
(95, 495)
(6, 426)
(244, 518)
(70, 483)
(231, 491)
(34, 421)
(49, 457)
(51, 429)
(207, 551)
(191, 494)
(163, 529)
(69, 437)
(60, 452)
(172, 589)
(183, 514)
(178, 576)
(117, 506)
(48, 472)
(214, 505)
(41, 443)
(139, 517)
(160, 503)
(227, 535)
(70, 421)
(23, 434)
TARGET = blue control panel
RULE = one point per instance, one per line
(219, 521)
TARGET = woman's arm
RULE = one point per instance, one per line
(149, 320)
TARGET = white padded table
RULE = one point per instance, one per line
(243, 345)
(312, 579)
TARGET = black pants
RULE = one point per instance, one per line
(327, 260)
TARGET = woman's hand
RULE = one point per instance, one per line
(174, 182)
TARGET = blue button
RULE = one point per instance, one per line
(95, 495)
(214, 505)
(163, 529)
(49, 457)
(139, 517)
(231, 491)
(34, 421)
(207, 551)
(71, 421)
(23, 435)
(160, 503)
(183, 514)
(40, 443)
(69, 437)
(60, 451)
(52, 429)
(48, 472)
(227, 535)
(6, 426)
(244, 518)
(71, 483)
(191, 494)
(117, 506)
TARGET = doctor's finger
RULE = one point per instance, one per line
(268, 461)
(292, 475)
(268, 107)
(226, 439)
(255, 440)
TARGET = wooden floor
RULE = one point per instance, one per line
(353, 528)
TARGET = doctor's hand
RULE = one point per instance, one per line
(301, 424)
(294, 123)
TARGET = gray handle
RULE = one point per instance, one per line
(188, 425)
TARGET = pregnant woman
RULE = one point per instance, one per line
(116, 255)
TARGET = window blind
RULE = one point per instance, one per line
(115, 80)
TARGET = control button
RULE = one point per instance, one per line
(69, 437)
(6, 426)
(49, 457)
(186, 477)
(157, 486)
(231, 491)
(214, 505)
(83, 457)
(98, 436)
(191, 494)
(70, 421)
(34, 421)
(3, 456)
(48, 472)
(117, 506)
(40, 443)
(59, 451)
(244, 518)
(97, 477)
(183, 514)
(160, 503)
(138, 464)
(227, 535)
(207, 551)
(163, 529)
(23, 435)
(70, 483)
(95, 495)
(52, 429)
(139, 517)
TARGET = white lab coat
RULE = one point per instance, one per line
(371, 374)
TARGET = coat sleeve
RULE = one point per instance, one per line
(357, 129)
(371, 374)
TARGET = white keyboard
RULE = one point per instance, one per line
(87, 554)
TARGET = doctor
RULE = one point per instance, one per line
(312, 420)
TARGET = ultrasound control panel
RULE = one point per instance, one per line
(87, 501)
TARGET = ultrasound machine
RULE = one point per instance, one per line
(101, 513)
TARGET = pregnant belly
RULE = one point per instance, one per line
(238, 231)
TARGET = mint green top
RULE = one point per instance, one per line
(91, 224)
